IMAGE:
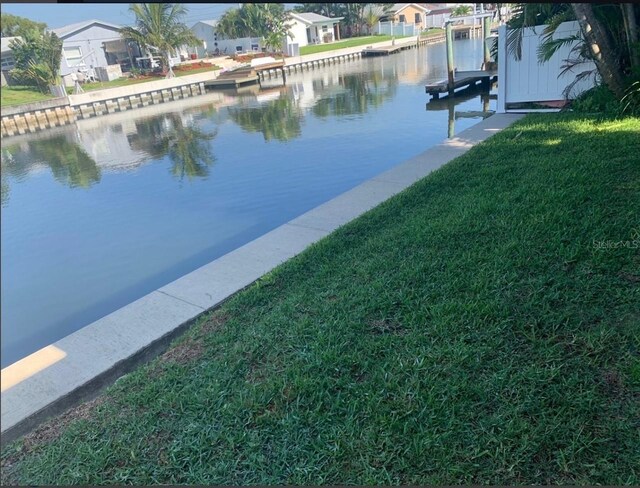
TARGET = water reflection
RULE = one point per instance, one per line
(279, 119)
(360, 92)
(68, 162)
(94, 215)
(187, 146)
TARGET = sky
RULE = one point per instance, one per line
(59, 14)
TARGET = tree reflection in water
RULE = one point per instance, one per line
(68, 161)
(362, 91)
(187, 146)
(277, 119)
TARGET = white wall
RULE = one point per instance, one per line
(528, 80)
(88, 40)
(437, 20)
(206, 33)
(299, 33)
(399, 29)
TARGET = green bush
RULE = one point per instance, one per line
(600, 100)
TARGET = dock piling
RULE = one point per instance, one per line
(449, 43)
(486, 31)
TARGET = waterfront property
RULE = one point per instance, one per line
(214, 44)
(248, 167)
(309, 28)
(406, 13)
(478, 328)
(6, 59)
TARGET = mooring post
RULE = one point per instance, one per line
(486, 31)
(452, 119)
(449, 42)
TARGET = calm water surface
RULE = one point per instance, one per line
(100, 213)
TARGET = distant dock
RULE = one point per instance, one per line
(381, 51)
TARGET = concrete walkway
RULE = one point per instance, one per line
(78, 366)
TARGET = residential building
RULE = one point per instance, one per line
(6, 59)
(311, 28)
(94, 43)
(214, 44)
(406, 13)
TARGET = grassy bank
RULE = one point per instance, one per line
(353, 42)
(480, 327)
(18, 95)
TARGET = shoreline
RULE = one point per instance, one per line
(79, 366)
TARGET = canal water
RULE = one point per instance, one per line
(99, 213)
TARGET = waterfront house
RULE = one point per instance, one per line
(91, 44)
(406, 13)
(214, 44)
(311, 28)
(6, 58)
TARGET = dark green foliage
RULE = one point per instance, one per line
(37, 60)
(14, 25)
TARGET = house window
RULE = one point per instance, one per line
(8, 62)
(73, 55)
(418, 19)
(254, 47)
(402, 18)
(325, 28)
(238, 49)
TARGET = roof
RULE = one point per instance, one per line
(440, 11)
(5, 41)
(67, 30)
(435, 6)
(397, 7)
(212, 23)
(312, 18)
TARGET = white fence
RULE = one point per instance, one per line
(528, 80)
(398, 29)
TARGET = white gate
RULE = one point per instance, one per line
(528, 80)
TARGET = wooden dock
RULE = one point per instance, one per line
(382, 51)
(234, 78)
(462, 79)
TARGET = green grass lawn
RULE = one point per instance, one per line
(436, 31)
(353, 42)
(483, 326)
(17, 95)
(100, 85)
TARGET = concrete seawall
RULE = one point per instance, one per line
(37, 116)
(61, 111)
(77, 367)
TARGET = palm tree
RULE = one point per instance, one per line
(372, 15)
(461, 11)
(159, 28)
(264, 20)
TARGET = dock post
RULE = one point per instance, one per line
(486, 31)
(452, 119)
(449, 42)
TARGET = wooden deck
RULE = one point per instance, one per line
(381, 51)
(462, 79)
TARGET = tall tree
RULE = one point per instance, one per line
(37, 59)
(265, 20)
(601, 47)
(159, 28)
(14, 25)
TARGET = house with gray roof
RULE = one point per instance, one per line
(91, 44)
(214, 44)
(311, 28)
